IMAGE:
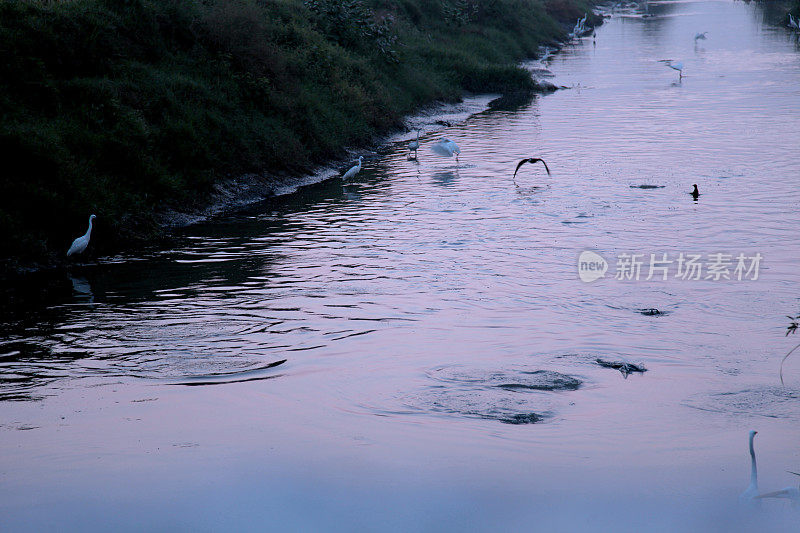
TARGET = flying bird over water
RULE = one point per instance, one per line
(530, 160)
(700, 37)
(353, 170)
(447, 148)
(79, 245)
(751, 492)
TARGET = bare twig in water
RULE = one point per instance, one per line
(791, 328)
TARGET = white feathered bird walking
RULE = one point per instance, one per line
(79, 245)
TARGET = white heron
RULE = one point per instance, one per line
(751, 492)
(447, 148)
(79, 245)
(355, 169)
(700, 36)
(794, 22)
(413, 146)
(676, 66)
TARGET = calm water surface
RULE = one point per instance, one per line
(412, 305)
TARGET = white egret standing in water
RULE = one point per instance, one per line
(793, 22)
(751, 491)
(353, 170)
(79, 245)
(676, 66)
(447, 148)
(413, 146)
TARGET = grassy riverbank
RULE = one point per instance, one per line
(125, 107)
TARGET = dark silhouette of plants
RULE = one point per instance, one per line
(351, 24)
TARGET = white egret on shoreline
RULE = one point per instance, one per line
(79, 245)
(794, 23)
(447, 148)
(413, 146)
(353, 170)
(751, 492)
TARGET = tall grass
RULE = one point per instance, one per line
(123, 107)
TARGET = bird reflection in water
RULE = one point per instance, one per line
(81, 288)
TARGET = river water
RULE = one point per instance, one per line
(441, 351)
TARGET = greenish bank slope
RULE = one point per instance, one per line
(125, 107)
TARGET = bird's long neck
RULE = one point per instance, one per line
(753, 469)
(89, 231)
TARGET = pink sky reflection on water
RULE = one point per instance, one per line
(374, 291)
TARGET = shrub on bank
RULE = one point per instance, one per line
(123, 107)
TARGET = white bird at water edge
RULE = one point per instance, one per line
(413, 146)
(751, 492)
(447, 148)
(79, 245)
(355, 169)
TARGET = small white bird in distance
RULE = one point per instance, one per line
(413, 146)
(676, 66)
(794, 22)
(79, 245)
(529, 160)
(700, 36)
(355, 169)
(447, 148)
(751, 491)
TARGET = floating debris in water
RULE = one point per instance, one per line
(652, 311)
(511, 379)
(647, 186)
(497, 404)
(511, 395)
(252, 374)
(625, 368)
(527, 418)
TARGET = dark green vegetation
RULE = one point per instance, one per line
(125, 107)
